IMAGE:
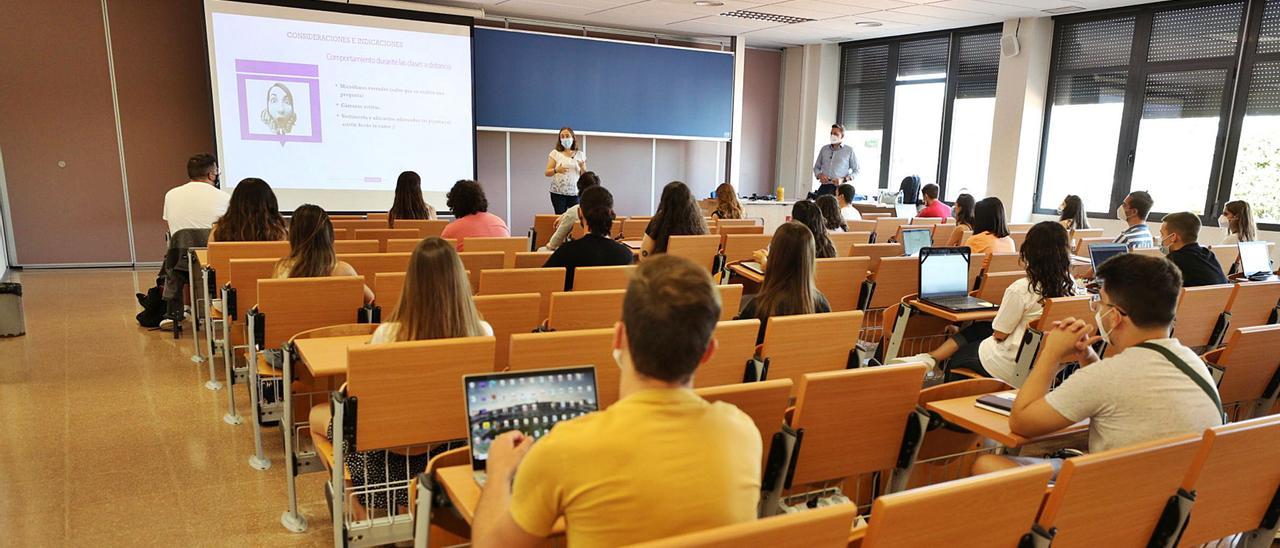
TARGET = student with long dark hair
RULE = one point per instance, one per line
(789, 287)
(990, 233)
(253, 215)
(311, 253)
(408, 202)
(831, 216)
(962, 211)
(678, 215)
(1071, 213)
(597, 247)
(1237, 218)
(991, 348)
(808, 214)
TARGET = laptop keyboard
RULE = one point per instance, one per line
(957, 300)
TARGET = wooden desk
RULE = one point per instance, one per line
(912, 305)
(963, 413)
(327, 356)
(746, 273)
(463, 491)
(202, 255)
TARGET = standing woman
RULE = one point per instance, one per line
(678, 215)
(564, 165)
(1237, 218)
(252, 216)
(727, 204)
(408, 203)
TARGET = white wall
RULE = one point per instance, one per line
(1019, 115)
(810, 95)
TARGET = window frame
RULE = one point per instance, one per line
(951, 83)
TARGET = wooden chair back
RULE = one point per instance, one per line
(592, 278)
(1018, 238)
(476, 262)
(544, 226)
(405, 245)
(944, 441)
(356, 246)
(1082, 244)
(384, 234)
(1115, 498)
(735, 223)
(808, 343)
(961, 235)
(509, 315)
(730, 301)
(1227, 255)
(827, 526)
(1198, 311)
(633, 227)
(876, 252)
(994, 285)
(725, 231)
(1004, 262)
(1010, 500)
(572, 310)
(377, 215)
(1250, 360)
(532, 259)
(840, 280)
(348, 217)
(1252, 303)
(221, 254)
(353, 225)
(387, 289)
(567, 348)
(1081, 233)
(1235, 477)
(1060, 308)
(896, 278)
(867, 225)
(977, 262)
(1020, 227)
(844, 241)
(291, 306)
(508, 246)
(702, 250)
(943, 234)
(765, 402)
(853, 420)
(369, 264)
(919, 221)
(543, 281)
(741, 247)
(426, 228)
(737, 344)
(410, 393)
(887, 227)
(1148, 251)
(243, 275)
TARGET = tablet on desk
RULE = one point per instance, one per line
(753, 266)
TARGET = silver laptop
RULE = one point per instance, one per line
(1255, 261)
(905, 211)
(1099, 253)
(915, 239)
(529, 401)
(944, 279)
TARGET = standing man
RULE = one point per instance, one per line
(836, 163)
(198, 203)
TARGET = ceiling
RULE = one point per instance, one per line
(833, 20)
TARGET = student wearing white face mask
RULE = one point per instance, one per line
(1134, 211)
(564, 165)
(836, 163)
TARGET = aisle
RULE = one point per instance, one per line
(109, 438)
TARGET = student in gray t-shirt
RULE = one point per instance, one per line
(1153, 388)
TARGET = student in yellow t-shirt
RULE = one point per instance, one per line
(659, 462)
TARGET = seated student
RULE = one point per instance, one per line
(933, 207)
(808, 214)
(990, 233)
(991, 348)
(1134, 211)
(963, 211)
(727, 204)
(1071, 213)
(678, 215)
(252, 216)
(311, 253)
(788, 287)
(844, 197)
(198, 203)
(1153, 388)
(1237, 218)
(659, 462)
(471, 215)
(1179, 237)
(566, 221)
(408, 202)
(596, 248)
(831, 216)
(435, 304)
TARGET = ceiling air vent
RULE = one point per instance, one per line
(762, 16)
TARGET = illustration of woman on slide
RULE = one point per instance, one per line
(278, 115)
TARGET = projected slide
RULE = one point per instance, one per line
(330, 107)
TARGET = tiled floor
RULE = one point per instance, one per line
(109, 438)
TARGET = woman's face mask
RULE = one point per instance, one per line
(566, 142)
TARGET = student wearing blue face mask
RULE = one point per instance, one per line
(564, 165)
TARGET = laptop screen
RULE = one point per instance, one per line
(944, 272)
(529, 401)
(914, 239)
(1254, 258)
(1099, 253)
(904, 211)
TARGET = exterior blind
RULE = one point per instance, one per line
(979, 64)
(862, 109)
(1185, 94)
(1095, 44)
(864, 65)
(1269, 38)
(1089, 89)
(926, 57)
(1264, 90)
(1196, 33)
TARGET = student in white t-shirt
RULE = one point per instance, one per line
(1153, 388)
(844, 196)
(991, 349)
(198, 203)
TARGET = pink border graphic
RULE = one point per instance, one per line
(278, 72)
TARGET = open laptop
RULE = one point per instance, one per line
(944, 279)
(529, 401)
(905, 211)
(1255, 261)
(915, 239)
(1099, 253)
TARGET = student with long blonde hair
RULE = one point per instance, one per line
(311, 253)
(436, 301)
(727, 204)
(789, 287)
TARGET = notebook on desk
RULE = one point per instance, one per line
(944, 279)
(1000, 402)
(529, 401)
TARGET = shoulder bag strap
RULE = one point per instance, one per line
(1186, 369)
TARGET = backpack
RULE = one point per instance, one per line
(153, 305)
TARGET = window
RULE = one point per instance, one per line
(1255, 177)
(931, 99)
